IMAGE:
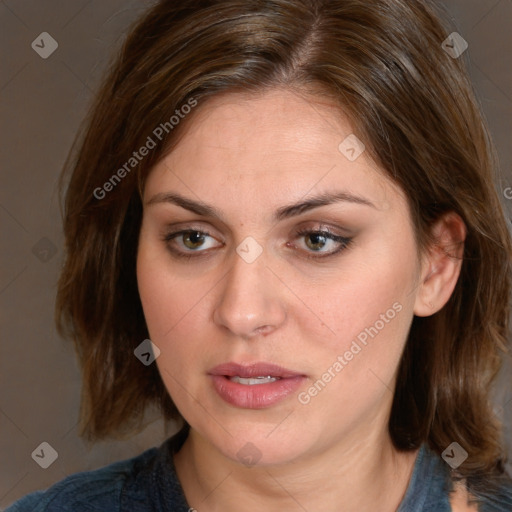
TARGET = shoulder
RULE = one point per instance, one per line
(460, 500)
(87, 491)
(435, 488)
(497, 497)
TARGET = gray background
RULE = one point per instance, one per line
(42, 104)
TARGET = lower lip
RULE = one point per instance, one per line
(257, 396)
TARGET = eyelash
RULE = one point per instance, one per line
(344, 242)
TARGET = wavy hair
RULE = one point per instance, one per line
(410, 102)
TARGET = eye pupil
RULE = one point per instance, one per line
(195, 237)
(317, 239)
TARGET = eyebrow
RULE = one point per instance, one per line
(285, 212)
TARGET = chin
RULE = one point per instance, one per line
(255, 446)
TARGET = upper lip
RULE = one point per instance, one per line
(252, 370)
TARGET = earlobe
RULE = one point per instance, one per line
(441, 265)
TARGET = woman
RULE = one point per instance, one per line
(282, 229)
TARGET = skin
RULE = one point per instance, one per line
(273, 150)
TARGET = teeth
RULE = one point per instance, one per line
(256, 380)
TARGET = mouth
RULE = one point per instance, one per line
(252, 372)
(251, 382)
(254, 386)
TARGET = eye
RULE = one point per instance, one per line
(189, 240)
(317, 240)
(193, 243)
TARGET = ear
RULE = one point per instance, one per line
(441, 265)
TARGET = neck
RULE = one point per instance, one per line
(363, 473)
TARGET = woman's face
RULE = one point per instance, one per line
(250, 279)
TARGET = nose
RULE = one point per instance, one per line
(250, 300)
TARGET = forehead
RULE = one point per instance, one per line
(277, 144)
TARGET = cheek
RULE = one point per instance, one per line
(371, 336)
(355, 371)
(166, 299)
(368, 314)
(176, 309)
(170, 308)
(367, 296)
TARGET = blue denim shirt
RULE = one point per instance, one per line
(148, 483)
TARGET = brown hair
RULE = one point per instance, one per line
(414, 108)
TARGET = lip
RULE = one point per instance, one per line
(257, 396)
(252, 370)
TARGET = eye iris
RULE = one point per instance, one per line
(195, 238)
(317, 239)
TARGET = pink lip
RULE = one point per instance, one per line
(257, 396)
(252, 370)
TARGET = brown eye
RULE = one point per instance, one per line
(194, 238)
(317, 240)
(189, 243)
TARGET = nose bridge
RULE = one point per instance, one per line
(248, 300)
